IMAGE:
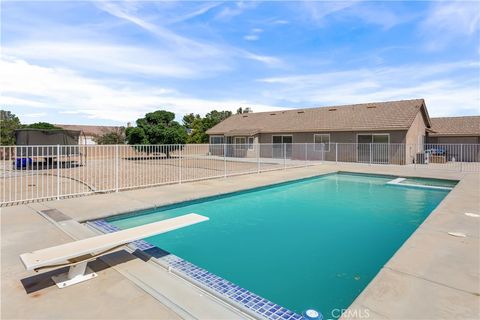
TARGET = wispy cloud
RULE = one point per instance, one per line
(118, 59)
(280, 21)
(184, 45)
(122, 11)
(447, 22)
(374, 13)
(197, 12)
(445, 87)
(235, 9)
(318, 10)
(253, 35)
(39, 88)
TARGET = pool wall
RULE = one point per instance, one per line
(235, 295)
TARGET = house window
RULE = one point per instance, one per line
(250, 143)
(321, 142)
(239, 140)
(216, 139)
(240, 144)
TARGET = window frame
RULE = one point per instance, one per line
(327, 145)
(250, 144)
(212, 138)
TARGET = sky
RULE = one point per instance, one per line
(110, 62)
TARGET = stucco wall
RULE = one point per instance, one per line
(416, 130)
(413, 138)
(456, 140)
(396, 136)
(346, 153)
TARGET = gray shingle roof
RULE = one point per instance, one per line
(391, 115)
(456, 126)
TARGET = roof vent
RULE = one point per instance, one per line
(245, 116)
(371, 107)
(272, 114)
(301, 111)
(333, 109)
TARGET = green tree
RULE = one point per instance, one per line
(246, 110)
(41, 125)
(198, 135)
(112, 137)
(214, 117)
(8, 124)
(199, 125)
(158, 127)
(136, 135)
(189, 119)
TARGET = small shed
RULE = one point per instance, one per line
(47, 144)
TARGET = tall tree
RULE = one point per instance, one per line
(246, 110)
(189, 119)
(197, 134)
(158, 127)
(41, 125)
(201, 125)
(116, 136)
(214, 117)
(8, 124)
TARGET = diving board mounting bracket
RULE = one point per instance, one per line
(76, 274)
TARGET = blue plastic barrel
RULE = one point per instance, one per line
(23, 162)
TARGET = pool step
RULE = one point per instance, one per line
(398, 182)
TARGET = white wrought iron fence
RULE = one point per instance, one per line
(47, 172)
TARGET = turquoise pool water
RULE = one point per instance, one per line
(314, 243)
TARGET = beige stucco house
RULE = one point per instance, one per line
(455, 130)
(403, 122)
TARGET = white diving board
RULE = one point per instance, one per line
(76, 254)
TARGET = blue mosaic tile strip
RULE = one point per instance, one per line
(232, 292)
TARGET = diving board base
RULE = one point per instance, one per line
(76, 274)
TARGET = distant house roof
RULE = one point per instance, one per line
(391, 115)
(89, 130)
(455, 126)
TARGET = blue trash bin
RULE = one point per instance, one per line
(23, 162)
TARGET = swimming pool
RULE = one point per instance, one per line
(313, 243)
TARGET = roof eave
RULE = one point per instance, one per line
(209, 132)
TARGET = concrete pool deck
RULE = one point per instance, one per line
(433, 275)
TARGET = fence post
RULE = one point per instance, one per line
(284, 156)
(58, 172)
(258, 157)
(224, 160)
(180, 165)
(306, 154)
(370, 145)
(461, 157)
(116, 167)
(408, 154)
(336, 153)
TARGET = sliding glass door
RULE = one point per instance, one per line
(281, 142)
(373, 148)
